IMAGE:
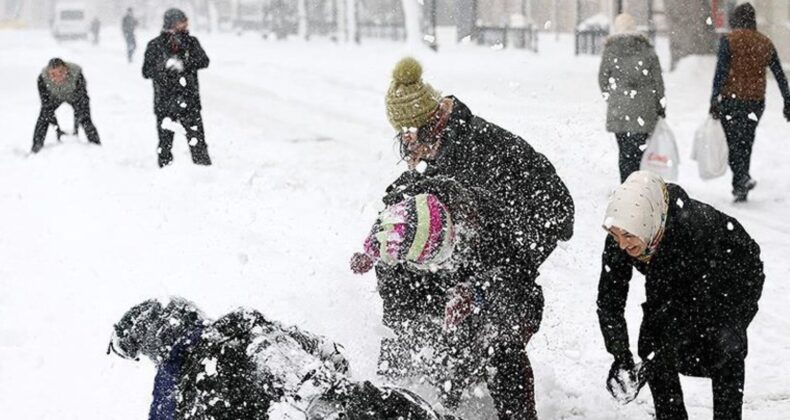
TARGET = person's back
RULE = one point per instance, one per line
(128, 25)
(751, 53)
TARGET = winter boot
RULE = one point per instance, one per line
(742, 192)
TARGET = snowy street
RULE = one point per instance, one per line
(302, 152)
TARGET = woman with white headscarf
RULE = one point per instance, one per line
(703, 277)
(631, 82)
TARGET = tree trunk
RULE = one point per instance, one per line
(691, 29)
(412, 19)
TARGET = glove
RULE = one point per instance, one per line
(625, 380)
(715, 111)
(174, 64)
(361, 263)
(787, 111)
(460, 304)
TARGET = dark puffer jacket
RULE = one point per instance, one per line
(175, 93)
(703, 281)
(527, 210)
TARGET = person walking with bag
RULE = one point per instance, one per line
(738, 98)
(703, 280)
(631, 81)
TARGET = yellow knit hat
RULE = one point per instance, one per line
(410, 102)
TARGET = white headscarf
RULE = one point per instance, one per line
(639, 206)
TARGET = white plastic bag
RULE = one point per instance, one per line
(710, 149)
(661, 154)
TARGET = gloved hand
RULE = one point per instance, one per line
(715, 110)
(361, 263)
(174, 64)
(787, 111)
(625, 380)
(460, 304)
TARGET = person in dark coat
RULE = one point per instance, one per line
(704, 278)
(172, 61)
(61, 82)
(536, 212)
(128, 25)
(738, 97)
(245, 366)
(631, 80)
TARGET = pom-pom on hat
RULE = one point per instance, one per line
(418, 230)
(410, 101)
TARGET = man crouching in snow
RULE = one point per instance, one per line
(61, 82)
(244, 366)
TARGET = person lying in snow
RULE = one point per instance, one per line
(244, 366)
(704, 278)
(453, 297)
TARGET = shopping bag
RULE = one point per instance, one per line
(710, 149)
(661, 153)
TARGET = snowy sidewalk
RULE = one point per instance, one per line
(302, 152)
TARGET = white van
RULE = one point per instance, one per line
(70, 20)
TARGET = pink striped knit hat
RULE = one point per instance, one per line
(418, 230)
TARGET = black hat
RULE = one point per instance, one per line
(743, 17)
(172, 17)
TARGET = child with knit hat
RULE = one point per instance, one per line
(523, 210)
(418, 231)
(703, 279)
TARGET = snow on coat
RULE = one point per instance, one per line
(176, 90)
(631, 81)
(704, 279)
(236, 367)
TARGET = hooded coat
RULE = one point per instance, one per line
(631, 80)
(175, 92)
(237, 367)
(703, 283)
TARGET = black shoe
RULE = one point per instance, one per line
(740, 196)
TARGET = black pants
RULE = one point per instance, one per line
(728, 382)
(631, 150)
(740, 119)
(193, 125)
(717, 352)
(513, 385)
(82, 116)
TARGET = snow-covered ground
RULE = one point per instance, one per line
(302, 151)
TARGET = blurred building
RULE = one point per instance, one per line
(773, 19)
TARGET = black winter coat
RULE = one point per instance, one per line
(238, 366)
(525, 209)
(175, 93)
(703, 282)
